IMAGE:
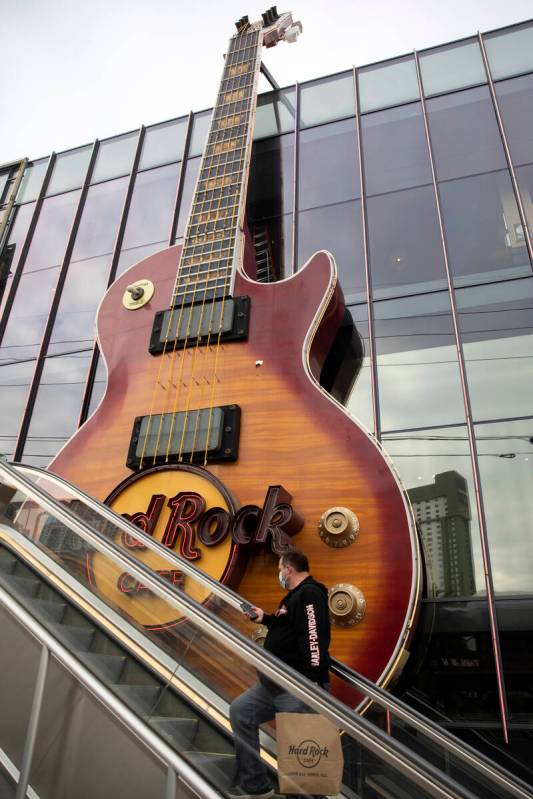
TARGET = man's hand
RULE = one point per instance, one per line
(253, 613)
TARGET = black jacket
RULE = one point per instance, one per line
(299, 631)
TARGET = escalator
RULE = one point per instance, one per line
(97, 700)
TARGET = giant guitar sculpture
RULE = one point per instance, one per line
(214, 435)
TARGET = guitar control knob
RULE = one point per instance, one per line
(259, 634)
(138, 294)
(347, 604)
(338, 527)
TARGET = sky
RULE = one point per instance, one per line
(74, 71)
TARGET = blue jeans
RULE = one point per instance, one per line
(247, 712)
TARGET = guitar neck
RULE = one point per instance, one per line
(213, 238)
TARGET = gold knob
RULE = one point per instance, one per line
(259, 634)
(347, 604)
(338, 527)
(138, 294)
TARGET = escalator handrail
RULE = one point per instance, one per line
(402, 710)
(129, 719)
(372, 737)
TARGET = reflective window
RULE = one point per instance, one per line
(483, 231)
(74, 326)
(275, 113)
(337, 229)
(152, 206)
(524, 176)
(496, 323)
(359, 402)
(32, 181)
(506, 467)
(100, 219)
(435, 468)
(115, 157)
(515, 99)
(15, 379)
(189, 184)
(130, 257)
(200, 129)
(329, 165)
(418, 373)
(510, 52)
(57, 407)
(70, 170)
(164, 143)
(52, 231)
(4, 177)
(17, 235)
(395, 151)
(452, 67)
(464, 134)
(388, 83)
(271, 181)
(327, 99)
(405, 245)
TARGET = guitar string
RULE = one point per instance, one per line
(159, 370)
(218, 136)
(257, 46)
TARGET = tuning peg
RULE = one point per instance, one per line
(274, 11)
(266, 23)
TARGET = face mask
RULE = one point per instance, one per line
(282, 580)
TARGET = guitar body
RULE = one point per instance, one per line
(292, 434)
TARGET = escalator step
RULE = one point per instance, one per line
(80, 637)
(217, 768)
(22, 586)
(108, 667)
(141, 698)
(47, 609)
(179, 732)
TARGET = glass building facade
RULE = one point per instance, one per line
(417, 175)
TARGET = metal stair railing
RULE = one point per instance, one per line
(400, 757)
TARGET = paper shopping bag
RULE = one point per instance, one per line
(310, 758)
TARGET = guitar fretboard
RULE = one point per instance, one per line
(212, 233)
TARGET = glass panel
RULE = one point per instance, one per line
(327, 99)
(418, 373)
(32, 181)
(164, 143)
(388, 83)
(516, 641)
(200, 128)
(57, 407)
(435, 468)
(115, 157)
(515, 99)
(152, 206)
(452, 67)
(271, 183)
(273, 251)
(524, 176)
(505, 461)
(406, 254)
(4, 177)
(337, 229)
(69, 171)
(74, 326)
(17, 235)
(15, 379)
(329, 165)
(189, 184)
(130, 257)
(359, 403)
(464, 134)
(52, 231)
(497, 333)
(275, 113)
(483, 232)
(395, 151)
(100, 218)
(510, 52)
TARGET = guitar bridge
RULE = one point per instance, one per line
(205, 323)
(196, 436)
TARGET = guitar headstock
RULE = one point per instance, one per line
(276, 27)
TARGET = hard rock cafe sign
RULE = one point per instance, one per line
(192, 513)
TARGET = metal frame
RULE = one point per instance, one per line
(400, 709)
(469, 426)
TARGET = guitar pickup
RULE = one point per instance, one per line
(204, 323)
(195, 436)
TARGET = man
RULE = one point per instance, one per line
(299, 634)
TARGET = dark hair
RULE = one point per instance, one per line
(296, 559)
